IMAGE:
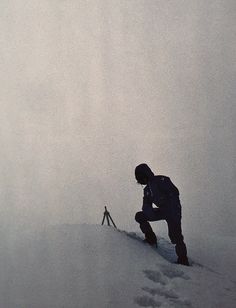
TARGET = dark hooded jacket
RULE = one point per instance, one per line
(158, 190)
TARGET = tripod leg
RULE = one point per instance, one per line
(108, 222)
(112, 221)
(103, 219)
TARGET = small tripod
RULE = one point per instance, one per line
(107, 216)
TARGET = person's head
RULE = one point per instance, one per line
(143, 174)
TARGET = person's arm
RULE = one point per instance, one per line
(147, 200)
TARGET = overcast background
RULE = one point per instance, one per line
(90, 89)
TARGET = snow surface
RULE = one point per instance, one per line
(99, 266)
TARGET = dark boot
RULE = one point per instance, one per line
(183, 261)
(150, 238)
(181, 252)
(146, 228)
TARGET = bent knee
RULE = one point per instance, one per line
(140, 217)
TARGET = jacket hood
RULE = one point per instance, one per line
(143, 172)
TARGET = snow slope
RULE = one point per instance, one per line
(98, 266)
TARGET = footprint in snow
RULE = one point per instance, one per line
(166, 272)
(146, 301)
(171, 273)
(155, 276)
(161, 277)
(168, 295)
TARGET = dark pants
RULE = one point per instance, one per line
(173, 219)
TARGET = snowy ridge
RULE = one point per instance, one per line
(97, 266)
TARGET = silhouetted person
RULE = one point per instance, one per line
(162, 192)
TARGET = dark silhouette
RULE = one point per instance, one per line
(164, 194)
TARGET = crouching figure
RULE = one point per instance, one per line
(159, 190)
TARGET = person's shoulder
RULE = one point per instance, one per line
(162, 178)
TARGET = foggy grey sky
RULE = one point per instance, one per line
(90, 89)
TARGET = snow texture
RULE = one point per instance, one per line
(98, 266)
